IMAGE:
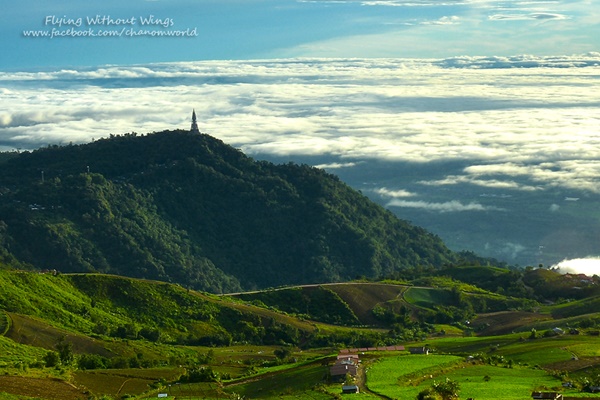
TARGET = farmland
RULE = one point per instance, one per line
(412, 375)
(104, 337)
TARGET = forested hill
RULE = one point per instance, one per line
(188, 208)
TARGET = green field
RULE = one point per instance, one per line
(403, 377)
(504, 383)
(40, 310)
(391, 374)
(427, 297)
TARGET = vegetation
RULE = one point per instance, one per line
(187, 208)
(177, 212)
(119, 336)
(318, 303)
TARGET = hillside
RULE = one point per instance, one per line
(94, 336)
(187, 208)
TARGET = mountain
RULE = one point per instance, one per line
(187, 208)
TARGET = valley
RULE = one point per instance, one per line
(118, 338)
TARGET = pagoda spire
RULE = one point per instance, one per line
(194, 128)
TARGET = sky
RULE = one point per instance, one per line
(504, 95)
(259, 29)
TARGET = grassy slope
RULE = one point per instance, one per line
(62, 305)
(576, 308)
(38, 333)
(362, 298)
(427, 297)
(299, 379)
(44, 295)
(353, 301)
(392, 375)
(40, 388)
(510, 321)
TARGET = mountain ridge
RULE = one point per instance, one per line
(187, 208)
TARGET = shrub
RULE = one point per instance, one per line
(51, 359)
(91, 361)
(202, 374)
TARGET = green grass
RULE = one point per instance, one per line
(7, 396)
(576, 308)
(362, 298)
(405, 376)
(504, 383)
(390, 373)
(193, 391)
(4, 323)
(15, 354)
(40, 309)
(117, 382)
(541, 351)
(299, 379)
(44, 295)
(35, 388)
(469, 345)
(428, 297)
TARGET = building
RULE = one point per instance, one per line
(339, 371)
(418, 350)
(547, 395)
(350, 389)
(348, 357)
(194, 128)
(345, 364)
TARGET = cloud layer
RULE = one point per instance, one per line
(507, 142)
(525, 123)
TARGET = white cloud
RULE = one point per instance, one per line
(530, 16)
(511, 250)
(449, 206)
(452, 20)
(385, 192)
(336, 165)
(523, 122)
(489, 183)
(588, 266)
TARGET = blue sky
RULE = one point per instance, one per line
(259, 29)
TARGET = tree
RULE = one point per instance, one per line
(91, 361)
(65, 351)
(51, 359)
(349, 380)
(447, 390)
(282, 353)
(533, 334)
(202, 374)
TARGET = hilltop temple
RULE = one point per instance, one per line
(194, 128)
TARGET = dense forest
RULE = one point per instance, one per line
(187, 208)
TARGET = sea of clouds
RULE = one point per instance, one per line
(521, 124)
(514, 117)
